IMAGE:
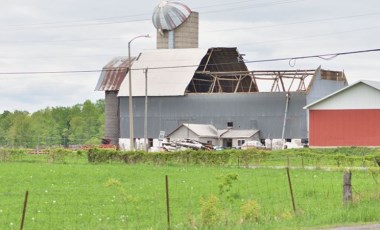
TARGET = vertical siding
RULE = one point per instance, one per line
(266, 109)
(345, 127)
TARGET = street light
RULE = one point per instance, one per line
(132, 147)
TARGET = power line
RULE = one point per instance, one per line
(253, 6)
(295, 23)
(230, 29)
(224, 4)
(244, 44)
(313, 36)
(100, 21)
(329, 56)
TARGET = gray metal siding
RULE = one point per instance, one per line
(321, 88)
(264, 110)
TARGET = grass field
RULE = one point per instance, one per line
(119, 196)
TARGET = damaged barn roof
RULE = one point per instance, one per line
(113, 74)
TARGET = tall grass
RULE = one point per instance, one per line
(119, 196)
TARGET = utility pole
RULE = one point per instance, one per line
(146, 112)
(130, 101)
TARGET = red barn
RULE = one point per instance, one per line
(348, 117)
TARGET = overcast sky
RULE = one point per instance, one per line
(66, 35)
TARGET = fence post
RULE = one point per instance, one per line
(167, 201)
(347, 190)
(24, 210)
(291, 189)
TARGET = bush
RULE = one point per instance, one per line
(250, 211)
(317, 157)
(210, 211)
(58, 155)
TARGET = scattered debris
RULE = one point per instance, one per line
(253, 144)
(182, 145)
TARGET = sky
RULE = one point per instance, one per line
(84, 35)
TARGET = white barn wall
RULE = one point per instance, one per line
(360, 96)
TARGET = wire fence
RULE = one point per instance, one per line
(42, 142)
(118, 196)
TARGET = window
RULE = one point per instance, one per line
(230, 124)
(150, 142)
(209, 142)
(241, 142)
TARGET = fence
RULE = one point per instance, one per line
(79, 195)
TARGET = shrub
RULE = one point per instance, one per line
(210, 212)
(57, 155)
(225, 184)
(250, 211)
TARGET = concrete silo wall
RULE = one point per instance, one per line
(111, 112)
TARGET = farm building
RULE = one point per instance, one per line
(184, 84)
(348, 117)
(208, 134)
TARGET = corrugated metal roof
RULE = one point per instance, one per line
(113, 74)
(203, 130)
(168, 15)
(168, 81)
(235, 133)
(374, 84)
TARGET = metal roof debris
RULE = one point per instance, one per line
(113, 74)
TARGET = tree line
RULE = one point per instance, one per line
(81, 124)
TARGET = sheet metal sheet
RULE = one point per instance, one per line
(164, 76)
(234, 133)
(203, 130)
(113, 74)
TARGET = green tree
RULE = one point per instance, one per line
(20, 132)
(57, 126)
(5, 124)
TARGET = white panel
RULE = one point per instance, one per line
(163, 81)
(124, 143)
(360, 96)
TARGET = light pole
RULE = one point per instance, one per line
(131, 137)
(146, 112)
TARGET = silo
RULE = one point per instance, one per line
(177, 26)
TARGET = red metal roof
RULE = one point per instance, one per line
(113, 74)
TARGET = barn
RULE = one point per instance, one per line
(348, 117)
(179, 83)
(209, 92)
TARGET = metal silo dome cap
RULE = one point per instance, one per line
(168, 15)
